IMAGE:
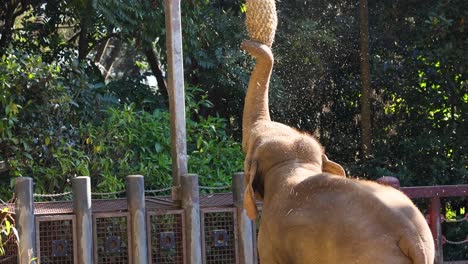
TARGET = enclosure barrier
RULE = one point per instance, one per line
(155, 229)
(138, 229)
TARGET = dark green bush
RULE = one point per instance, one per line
(57, 125)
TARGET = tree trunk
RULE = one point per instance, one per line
(153, 61)
(83, 42)
(7, 31)
(101, 49)
(108, 61)
(366, 127)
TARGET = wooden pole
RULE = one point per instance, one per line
(245, 225)
(137, 209)
(176, 93)
(191, 206)
(24, 211)
(81, 187)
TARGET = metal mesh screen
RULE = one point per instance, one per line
(111, 238)
(166, 241)
(55, 239)
(219, 236)
(11, 252)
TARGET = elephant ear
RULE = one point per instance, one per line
(249, 195)
(332, 167)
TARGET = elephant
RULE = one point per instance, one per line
(312, 212)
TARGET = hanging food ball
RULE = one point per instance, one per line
(261, 20)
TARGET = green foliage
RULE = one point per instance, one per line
(7, 228)
(213, 33)
(115, 142)
(135, 91)
(42, 105)
(455, 231)
(128, 17)
(419, 110)
(130, 141)
(33, 98)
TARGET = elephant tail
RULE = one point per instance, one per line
(420, 251)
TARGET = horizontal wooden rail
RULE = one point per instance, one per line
(436, 191)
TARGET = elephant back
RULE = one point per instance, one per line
(261, 20)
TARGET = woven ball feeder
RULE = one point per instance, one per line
(261, 20)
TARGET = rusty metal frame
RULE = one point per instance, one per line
(112, 215)
(436, 191)
(232, 210)
(149, 214)
(39, 219)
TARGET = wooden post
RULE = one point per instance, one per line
(191, 206)
(81, 187)
(136, 207)
(389, 181)
(175, 84)
(24, 211)
(245, 225)
(436, 229)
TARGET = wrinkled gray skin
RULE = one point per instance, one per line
(311, 213)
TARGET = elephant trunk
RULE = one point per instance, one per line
(256, 100)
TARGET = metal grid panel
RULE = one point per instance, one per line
(166, 239)
(109, 205)
(219, 235)
(11, 253)
(55, 239)
(112, 205)
(53, 208)
(111, 238)
(160, 203)
(216, 200)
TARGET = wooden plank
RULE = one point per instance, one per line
(245, 235)
(175, 84)
(82, 208)
(25, 219)
(137, 210)
(191, 205)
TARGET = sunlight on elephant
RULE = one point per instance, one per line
(311, 212)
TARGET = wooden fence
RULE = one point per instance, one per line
(155, 229)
